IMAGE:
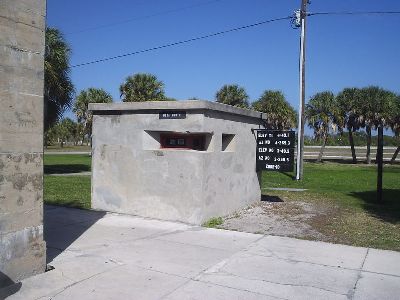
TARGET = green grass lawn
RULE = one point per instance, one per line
(345, 191)
(67, 190)
(66, 163)
(350, 185)
(73, 191)
(349, 191)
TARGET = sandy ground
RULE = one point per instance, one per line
(276, 217)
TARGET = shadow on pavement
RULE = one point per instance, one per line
(388, 210)
(268, 198)
(62, 226)
(7, 286)
(333, 160)
(65, 169)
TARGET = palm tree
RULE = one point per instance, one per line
(377, 108)
(84, 117)
(64, 130)
(323, 116)
(232, 94)
(280, 115)
(348, 102)
(142, 87)
(395, 125)
(58, 87)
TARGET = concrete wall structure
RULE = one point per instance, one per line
(22, 250)
(132, 174)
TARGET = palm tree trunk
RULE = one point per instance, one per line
(368, 129)
(353, 151)
(395, 155)
(321, 151)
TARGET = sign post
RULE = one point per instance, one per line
(275, 150)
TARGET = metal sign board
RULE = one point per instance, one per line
(174, 114)
(275, 150)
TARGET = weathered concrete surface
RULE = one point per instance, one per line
(110, 256)
(22, 250)
(132, 174)
(174, 105)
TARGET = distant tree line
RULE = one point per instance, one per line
(280, 114)
(359, 138)
(332, 117)
(59, 94)
(351, 110)
(63, 132)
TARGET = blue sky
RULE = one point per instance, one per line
(342, 51)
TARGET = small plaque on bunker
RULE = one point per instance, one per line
(175, 114)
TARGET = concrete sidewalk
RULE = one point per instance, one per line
(111, 256)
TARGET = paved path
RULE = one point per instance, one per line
(112, 256)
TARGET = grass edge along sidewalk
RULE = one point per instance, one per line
(348, 195)
(345, 196)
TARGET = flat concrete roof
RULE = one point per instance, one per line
(115, 108)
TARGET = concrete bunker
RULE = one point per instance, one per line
(174, 160)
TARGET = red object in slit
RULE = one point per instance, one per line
(183, 141)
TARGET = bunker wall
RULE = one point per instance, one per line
(230, 181)
(132, 174)
(22, 249)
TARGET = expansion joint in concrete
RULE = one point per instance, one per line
(291, 260)
(20, 153)
(18, 49)
(23, 23)
(5, 233)
(80, 281)
(175, 289)
(350, 295)
(29, 94)
(278, 283)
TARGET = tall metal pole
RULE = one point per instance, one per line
(300, 131)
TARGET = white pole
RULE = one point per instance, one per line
(300, 130)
